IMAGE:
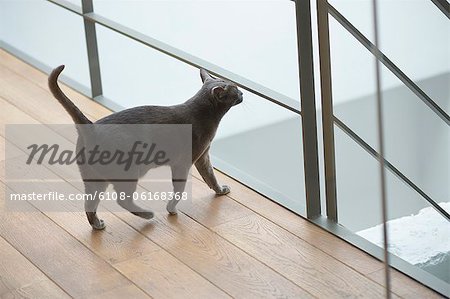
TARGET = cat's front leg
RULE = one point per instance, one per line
(204, 167)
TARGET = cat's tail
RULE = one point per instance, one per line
(77, 116)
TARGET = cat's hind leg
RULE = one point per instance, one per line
(125, 192)
(92, 190)
(179, 178)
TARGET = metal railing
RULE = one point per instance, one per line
(324, 9)
(444, 6)
(91, 17)
(389, 65)
(307, 96)
(329, 119)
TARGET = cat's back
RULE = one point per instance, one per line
(145, 115)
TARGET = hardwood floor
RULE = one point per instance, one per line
(240, 245)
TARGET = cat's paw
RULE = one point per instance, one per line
(223, 190)
(171, 209)
(98, 224)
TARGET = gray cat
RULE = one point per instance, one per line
(203, 111)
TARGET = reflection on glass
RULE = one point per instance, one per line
(417, 143)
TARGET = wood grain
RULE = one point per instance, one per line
(346, 253)
(237, 273)
(56, 253)
(120, 244)
(314, 235)
(19, 278)
(210, 209)
(405, 286)
(317, 272)
(155, 274)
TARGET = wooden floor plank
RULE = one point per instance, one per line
(317, 272)
(237, 273)
(129, 291)
(19, 278)
(155, 274)
(264, 282)
(351, 256)
(210, 209)
(271, 282)
(73, 267)
(120, 244)
(404, 286)
(342, 251)
(333, 273)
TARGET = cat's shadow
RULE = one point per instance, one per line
(96, 238)
(150, 226)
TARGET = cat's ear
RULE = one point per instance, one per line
(204, 75)
(219, 92)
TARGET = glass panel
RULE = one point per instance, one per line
(134, 74)
(47, 36)
(415, 35)
(255, 44)
(417, 142)
(358, 187)
(262, 152)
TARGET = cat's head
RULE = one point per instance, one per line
(220, 90)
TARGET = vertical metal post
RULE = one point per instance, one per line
(381, 152)
(327, 109)
(308, 107)
(92, 49)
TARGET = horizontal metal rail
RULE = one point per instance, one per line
(68, 5)
(389, 166)
(246, 84)
(389, 64)
(443, 6)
